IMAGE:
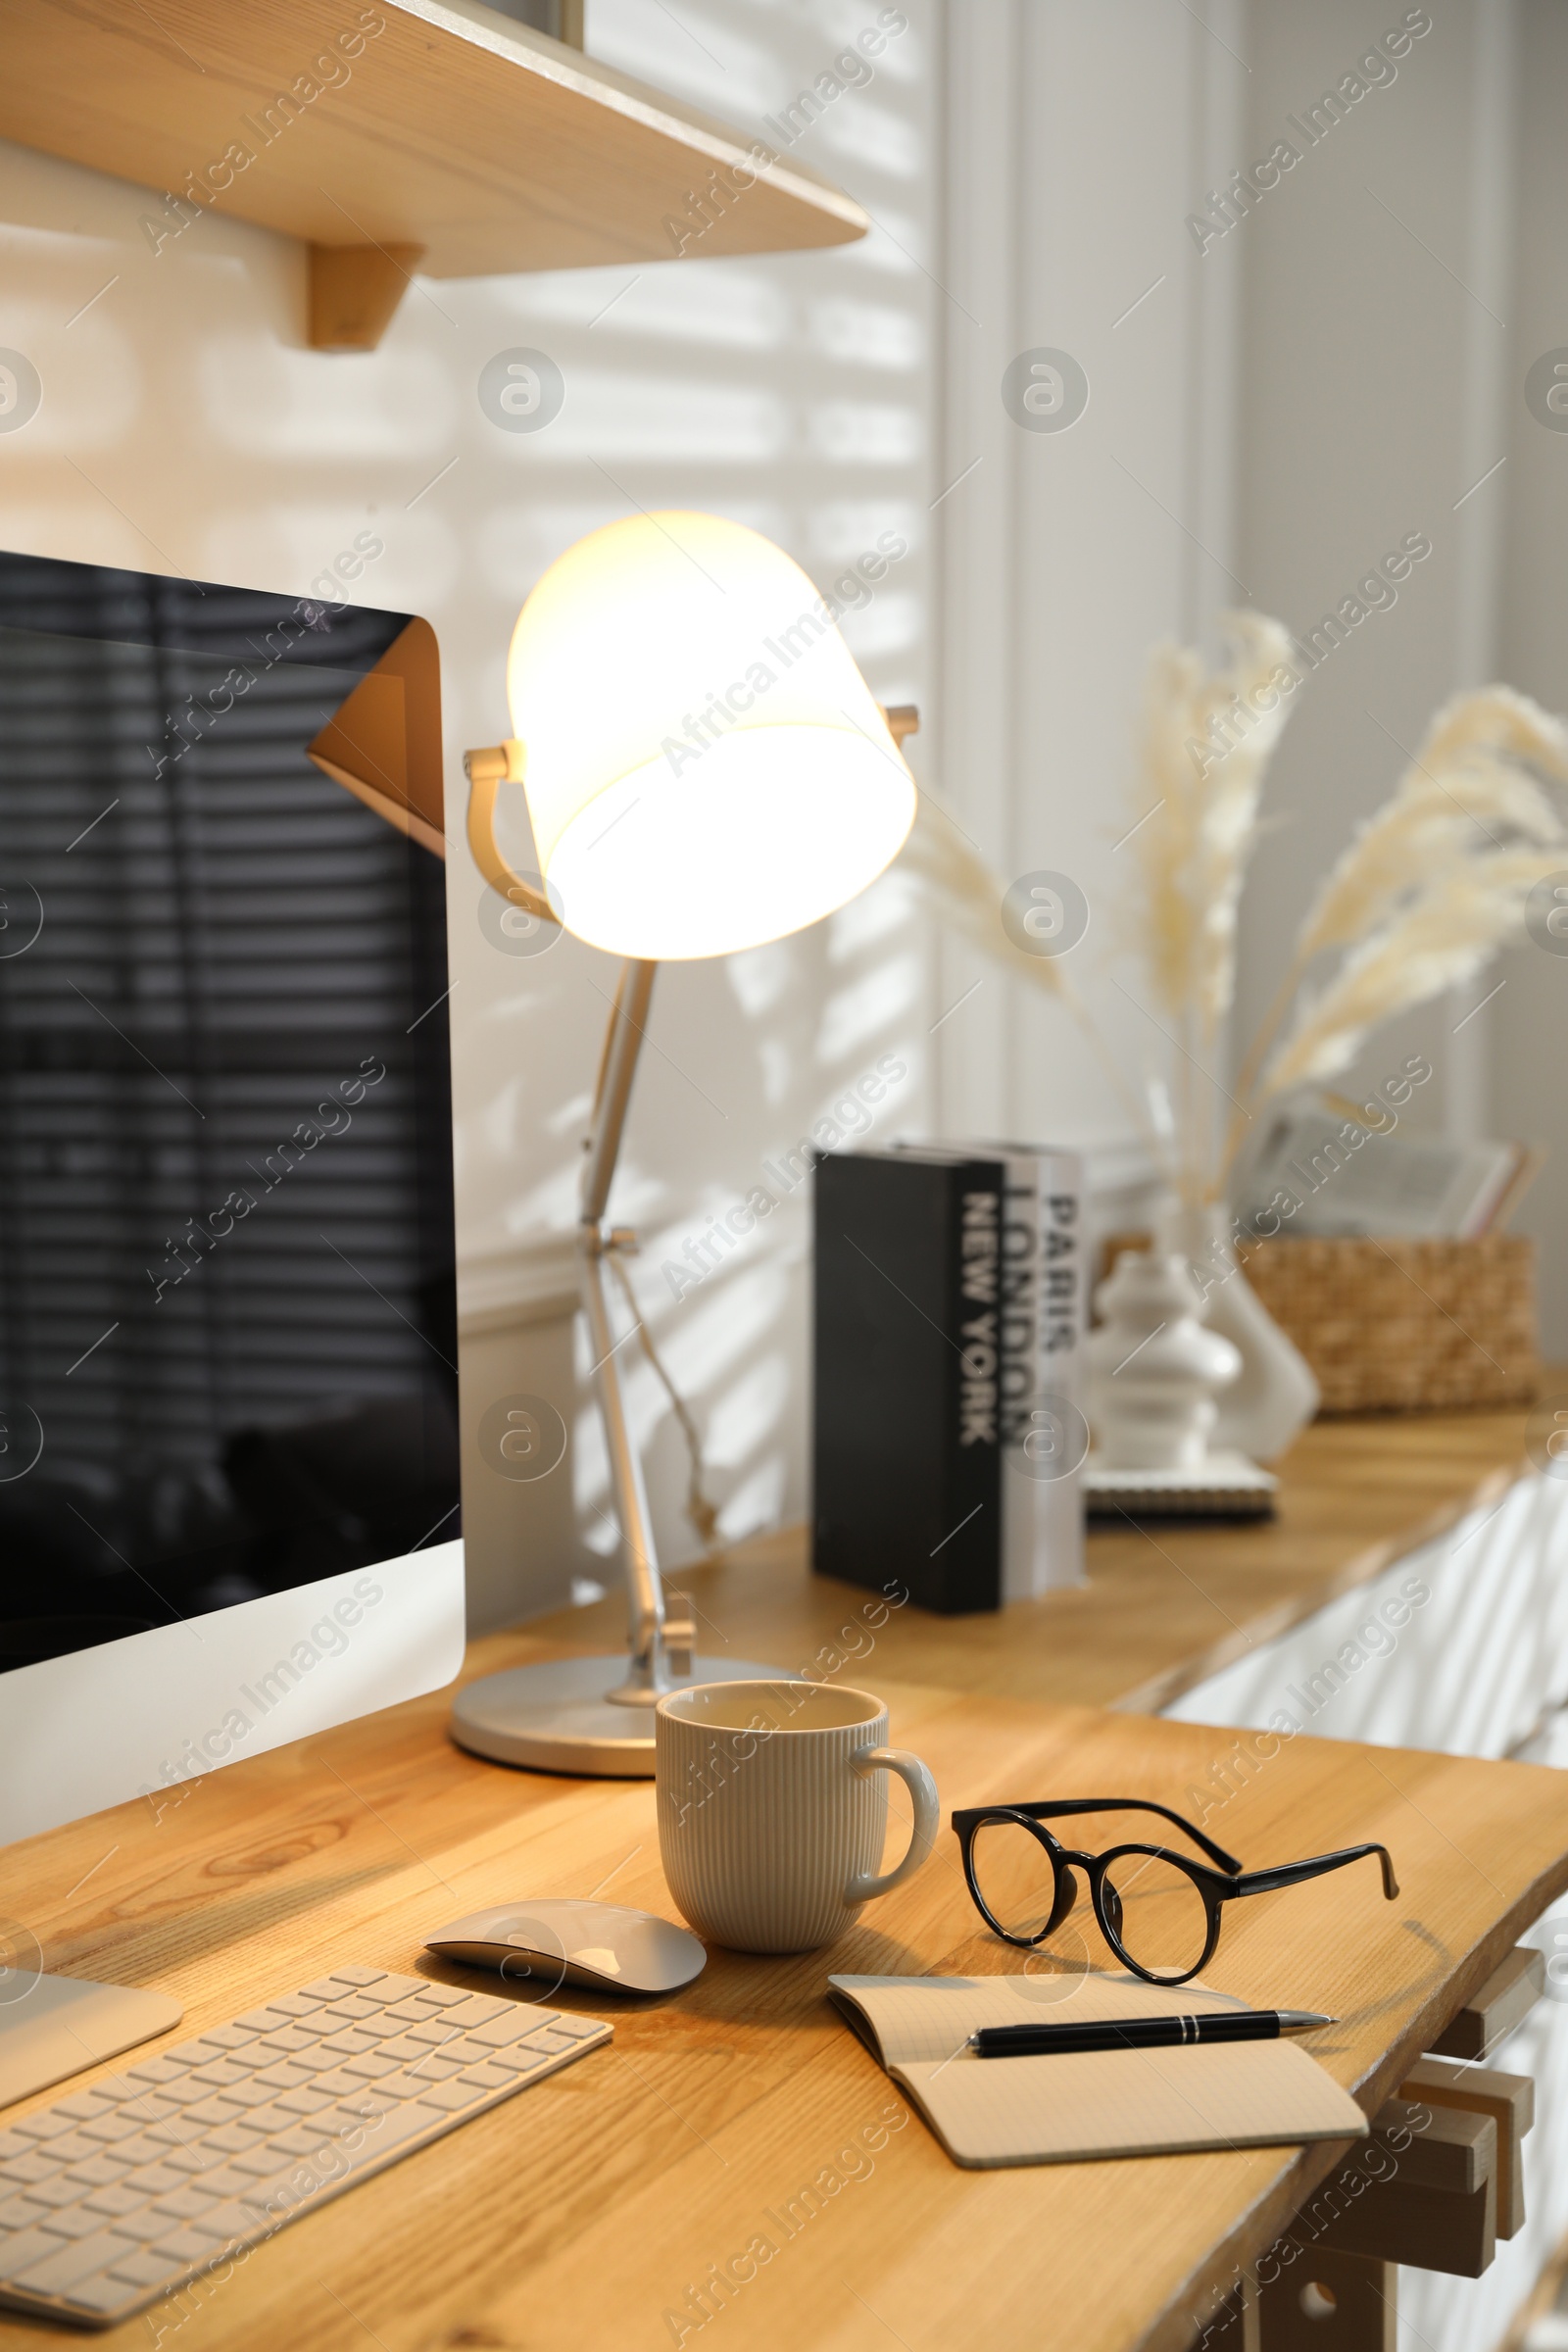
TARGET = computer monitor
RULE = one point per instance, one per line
(228, 1438)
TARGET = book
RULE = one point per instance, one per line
(1071, 2108)
(905, 1428)
(1043, 1369)
(1035, 1521)
(1347, 1182)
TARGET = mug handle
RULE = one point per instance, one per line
(927, 1819)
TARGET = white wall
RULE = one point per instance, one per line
(825, 399)
(185, 427)
(1528, 1018)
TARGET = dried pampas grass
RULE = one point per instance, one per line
(1207, 739)
(1442, 937)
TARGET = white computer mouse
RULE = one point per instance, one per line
(540, 1945)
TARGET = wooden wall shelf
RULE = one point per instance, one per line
(434, 133)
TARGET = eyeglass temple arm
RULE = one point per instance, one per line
(1066, 1806)
(1291, 1874)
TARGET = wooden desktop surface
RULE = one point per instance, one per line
(578, 2213)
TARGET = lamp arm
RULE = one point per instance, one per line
(487, 771)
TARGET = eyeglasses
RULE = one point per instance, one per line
(1158, 1911)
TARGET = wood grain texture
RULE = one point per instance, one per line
(453, 128)
(579, 2213)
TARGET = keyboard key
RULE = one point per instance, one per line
(258, 2162)
(154, 2072)
(96, 2171)
(368, 2069)
(516, 2021)
(114, 2201)
(305, 2101)
(144, 2150)
(491, 2077)
(351, 2043)
(477, 2009)
(50, 2124)
(101, 2298)
(14, 2144)
(74, 2147)
(184, 2245)
(402, 2048)
(352, 2005)
(59, 2271)
(187, 2054)
(187, 2204)
(301, 2004)
(115, 2086)
(291, 2038)
(151, 2180)
(82, 2106)
(230, 2221)
(21, 2253)
(228, 2182)
(354, 1976)
(114, 2126)
(25, 2169)
(60, 2191)
(139, 2268)
(232, 2139)
(209, 2112)
(221, 2073)
(140, 2229)
(251, 2093)
(76, 2221)
(231, 2037)
(17, 2213)
(449, 2096)
(286, 2076)
(443, 1996)
(303, 2140)
(432, 2033)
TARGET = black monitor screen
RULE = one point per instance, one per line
(227, 1306)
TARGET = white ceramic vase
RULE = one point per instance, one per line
(1154, 1370)
(1275, 1393)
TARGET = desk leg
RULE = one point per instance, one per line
(1329, 2303)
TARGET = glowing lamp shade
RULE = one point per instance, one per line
(706, 766)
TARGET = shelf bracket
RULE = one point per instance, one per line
(354, 290)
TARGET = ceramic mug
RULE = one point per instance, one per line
(772, 1804)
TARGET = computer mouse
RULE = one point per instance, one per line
(540, 1945)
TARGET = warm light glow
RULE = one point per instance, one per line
(706, 766)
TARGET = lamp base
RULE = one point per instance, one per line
(559, 1717)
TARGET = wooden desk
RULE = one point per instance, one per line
(574, 2217)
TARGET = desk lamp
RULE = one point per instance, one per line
(706, 770)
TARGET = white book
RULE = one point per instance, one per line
(1044, 1289)
(1043, 1366)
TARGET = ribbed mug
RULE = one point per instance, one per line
(772, 1806)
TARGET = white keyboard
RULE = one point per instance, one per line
(114, 2197)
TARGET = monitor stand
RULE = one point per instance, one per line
(53, 2027)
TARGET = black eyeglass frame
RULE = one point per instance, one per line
(1215, 1886)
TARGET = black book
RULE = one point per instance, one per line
(906, 1463)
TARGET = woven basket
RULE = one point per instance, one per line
(1402, 1326)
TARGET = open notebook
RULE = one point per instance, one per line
(1062, 2110)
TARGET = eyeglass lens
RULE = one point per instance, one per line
(1014, 1875)
(1157, 1912)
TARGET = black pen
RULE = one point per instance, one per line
(1142, 2032)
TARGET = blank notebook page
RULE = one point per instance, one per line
(1087, 2103)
